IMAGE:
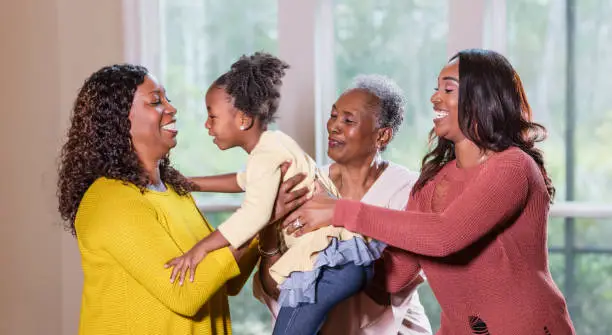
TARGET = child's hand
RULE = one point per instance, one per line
(188, 262)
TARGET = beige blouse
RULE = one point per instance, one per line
(260, 182)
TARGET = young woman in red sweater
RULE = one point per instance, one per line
(476, 220)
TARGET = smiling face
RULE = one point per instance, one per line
(352, 127)
(153, 123)
(224, 120)
(445, 102)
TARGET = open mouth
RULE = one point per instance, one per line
(440, 114)
(171, 127)
(333, 143)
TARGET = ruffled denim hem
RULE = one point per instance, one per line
(300, 286)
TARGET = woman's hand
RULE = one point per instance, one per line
(287, 198)
(316, 213)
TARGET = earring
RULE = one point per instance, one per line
(242, 127)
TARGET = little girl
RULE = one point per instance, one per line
(241, 104)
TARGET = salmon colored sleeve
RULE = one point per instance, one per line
(401, 269)
(497, 195)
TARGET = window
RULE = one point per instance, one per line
(188, 44)
(561, 49)
(389, 38)
(197, 41)
(202, 39)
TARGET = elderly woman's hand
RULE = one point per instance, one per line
(287, 198)
(316, 213)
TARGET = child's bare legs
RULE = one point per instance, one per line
(333, 286)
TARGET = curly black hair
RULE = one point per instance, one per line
(99, 142)
(390, 99)
(254, 84)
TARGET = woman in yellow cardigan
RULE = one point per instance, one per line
(131, 212)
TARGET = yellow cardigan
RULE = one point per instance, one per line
(125, 237)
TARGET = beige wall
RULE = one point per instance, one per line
(48, 47)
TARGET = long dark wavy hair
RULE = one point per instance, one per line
(99, 142)
(493, 113)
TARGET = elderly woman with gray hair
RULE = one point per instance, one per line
(361, 124)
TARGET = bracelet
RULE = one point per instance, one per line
(264, 253)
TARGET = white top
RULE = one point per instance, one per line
(359, 314)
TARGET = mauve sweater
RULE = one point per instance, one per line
(481, 241)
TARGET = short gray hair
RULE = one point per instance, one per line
(390, 96)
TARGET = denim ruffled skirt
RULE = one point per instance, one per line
(300, 286)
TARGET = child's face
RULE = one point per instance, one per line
(223, 122)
